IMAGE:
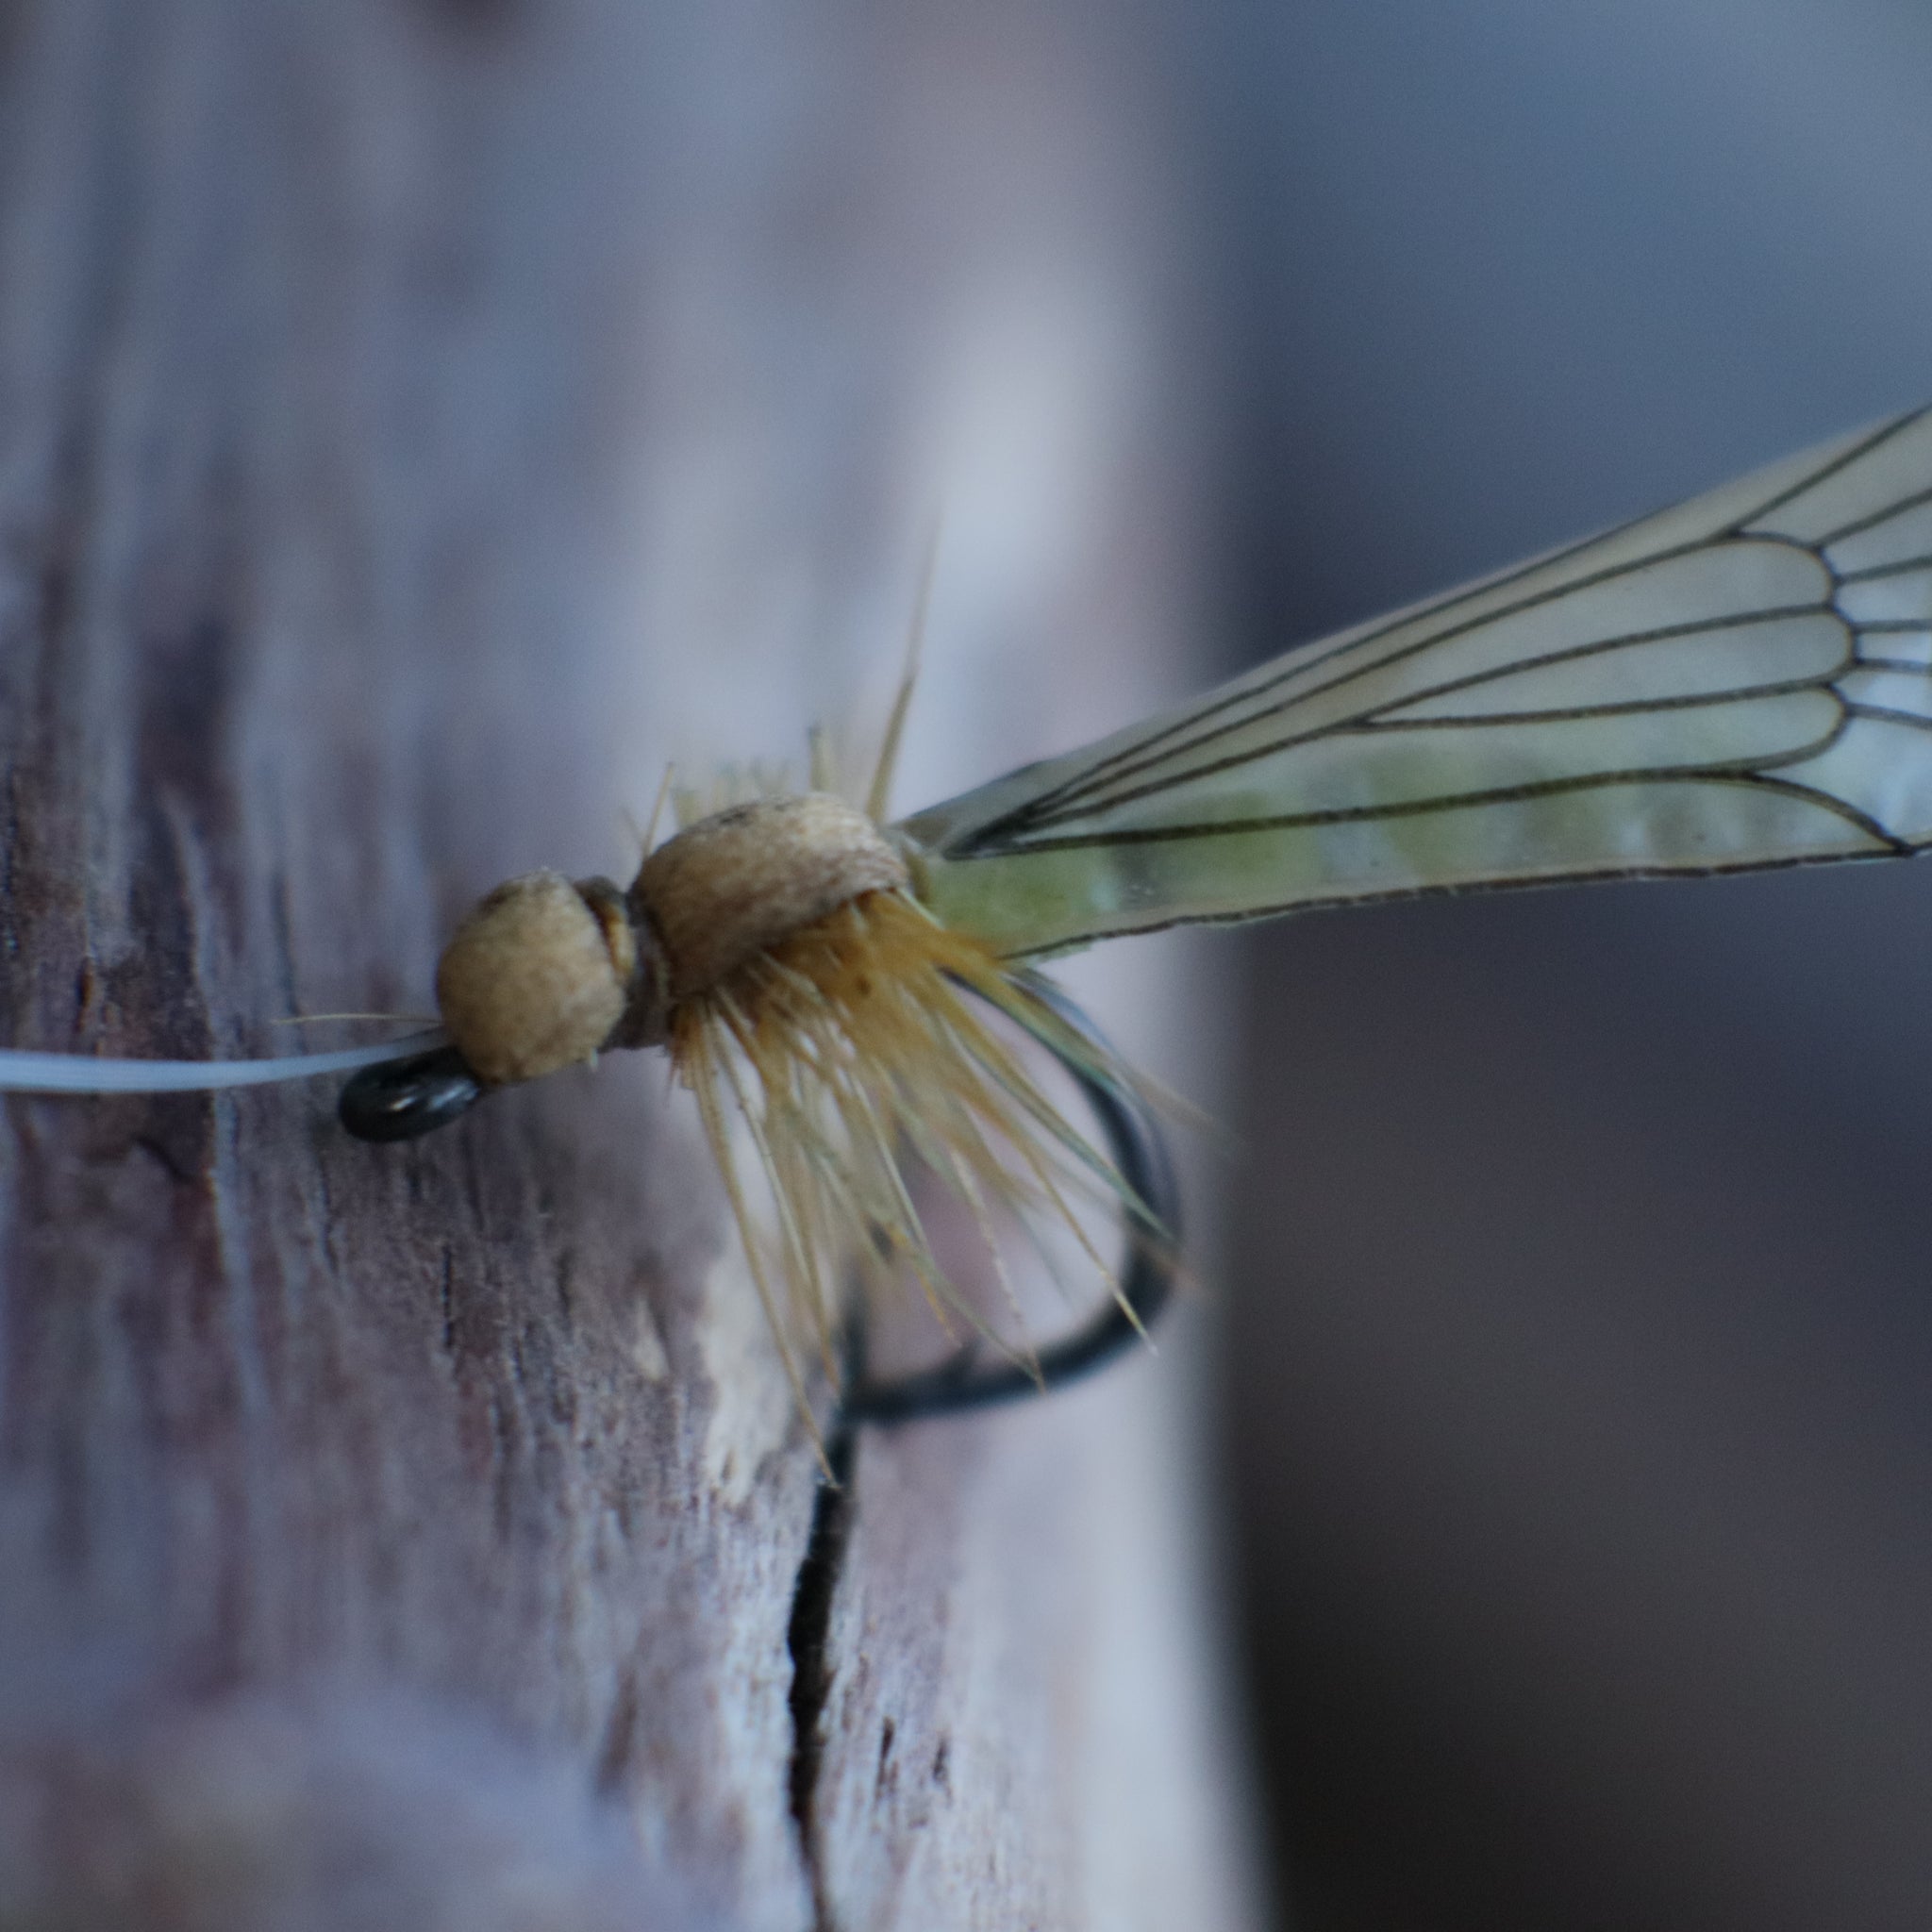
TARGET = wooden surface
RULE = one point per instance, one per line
(417, 422)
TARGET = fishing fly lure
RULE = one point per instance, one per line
(1742, 681)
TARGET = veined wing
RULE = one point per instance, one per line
(1742, 681)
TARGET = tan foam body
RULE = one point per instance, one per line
(547, 972)
(737, 882)
(534, 979)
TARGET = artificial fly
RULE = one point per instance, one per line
(779, 950)
(1742, 681)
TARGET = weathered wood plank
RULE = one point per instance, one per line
(420, 421)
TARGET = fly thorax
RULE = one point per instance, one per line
(734, 885)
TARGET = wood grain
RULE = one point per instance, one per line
(417, 422)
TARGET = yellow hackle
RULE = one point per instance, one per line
(851, 1047)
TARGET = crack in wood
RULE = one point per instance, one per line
(808, 1638)
(620, 1737)
(449, 1300)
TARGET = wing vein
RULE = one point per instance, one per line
(1066, 799)
(1414, 808)
(1875, 572)
(1312, 656)
(1843, 460)
(1110, 799)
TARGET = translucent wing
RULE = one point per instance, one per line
(1742, 681)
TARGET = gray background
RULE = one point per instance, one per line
(1581, 1362)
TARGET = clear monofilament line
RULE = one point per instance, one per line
(74, 1072)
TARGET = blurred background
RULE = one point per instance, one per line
(1578, 1346)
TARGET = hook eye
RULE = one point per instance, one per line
(1152, 1218)
(399, 1100)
